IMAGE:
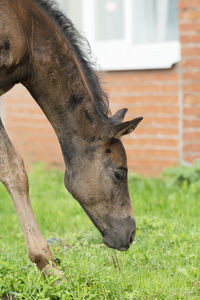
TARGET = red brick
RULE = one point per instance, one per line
(191, 136)
(191, 111)
(31, 110)
(154, 153)
(192, 100)
(185, 4)
(155, 120)
(195, 147)
(189, 15)
(191, 75)
(149, 163)
(142, 88)
(192, 38)
(144, 99)
(191, 87)
(151, 171)
(190, 63)
(19, 92)
(191, 157)
(23, 119)
(157, 109)
(190, 52)
(138, 76)
(128, 141)
(29, 129)
(164, 121)
(148, 130)
(189, 27)
(191, 123)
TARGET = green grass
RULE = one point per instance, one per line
(162, 263)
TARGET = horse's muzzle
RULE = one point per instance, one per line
(121, 234)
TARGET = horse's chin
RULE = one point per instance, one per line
(112, 245)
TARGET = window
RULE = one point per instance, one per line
(128, 34)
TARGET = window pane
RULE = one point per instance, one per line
(172, 20)
(109, 19)
(73, 9)
(154, 21)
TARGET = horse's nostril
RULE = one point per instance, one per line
(132, 237)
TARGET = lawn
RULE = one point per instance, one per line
(162, 263)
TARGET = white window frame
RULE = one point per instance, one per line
(121, 54)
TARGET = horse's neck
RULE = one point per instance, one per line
(57, 87)
(60, 92)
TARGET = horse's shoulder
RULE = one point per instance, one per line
(12, 40)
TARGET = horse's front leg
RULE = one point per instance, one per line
(14, 177)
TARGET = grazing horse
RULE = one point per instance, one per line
(40, 48)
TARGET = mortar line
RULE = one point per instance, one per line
(180, 100)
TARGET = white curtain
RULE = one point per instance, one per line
(154, 21)
(73, 9)
(109, 19)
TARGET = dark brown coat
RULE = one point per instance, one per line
(40, 48)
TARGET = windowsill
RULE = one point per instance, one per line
(113, 56)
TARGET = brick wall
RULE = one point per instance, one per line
(169, 101)
(29, 130)
(189, 19)
(154, 145)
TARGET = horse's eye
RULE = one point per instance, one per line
(120, 174)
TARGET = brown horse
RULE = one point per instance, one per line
(40, 48)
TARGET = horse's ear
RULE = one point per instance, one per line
(119, 115)
(121, 129)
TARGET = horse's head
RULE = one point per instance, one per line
(98, 180)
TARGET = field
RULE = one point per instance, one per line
(162, 263)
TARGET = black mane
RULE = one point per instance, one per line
(79, 45)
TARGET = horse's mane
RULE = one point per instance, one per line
(80, 49)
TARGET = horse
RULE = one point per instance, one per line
(41, 49)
